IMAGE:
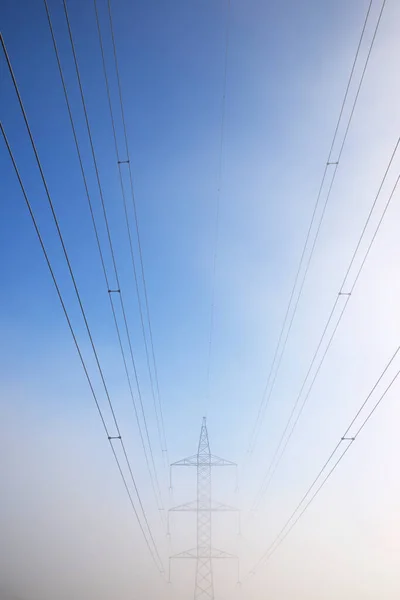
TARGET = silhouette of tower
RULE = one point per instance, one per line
(203, 506)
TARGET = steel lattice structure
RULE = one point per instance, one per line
(204, 553)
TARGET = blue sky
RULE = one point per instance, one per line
(288, 65)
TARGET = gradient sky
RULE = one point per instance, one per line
(67, 528)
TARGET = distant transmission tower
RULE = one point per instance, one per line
(204, 553)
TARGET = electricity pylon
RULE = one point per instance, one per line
(204, 553)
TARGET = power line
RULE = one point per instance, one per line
(66, 256)
(161, 426)
(152, 547)
(121, 296)
(57, 226)
(119, 163)
(133, 261)
(347, 295)
(109, 291)
(287, 528)
(106, 220)
(279, 351)
(218, 203)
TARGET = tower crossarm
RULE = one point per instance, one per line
(193, 553)
(215, 507)
(210, 459)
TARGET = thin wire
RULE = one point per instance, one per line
(58, 227)
(336, 164)
(272, 469)
(125, 207)
(161, 568)
(218, 204)
(164, 438)
(52, 273)
(152, 552)
(110, 239)
(64, 248)
(98, 242)
(130, 246)
(278, 540)
(277, 361)
(389, 364)
(282, 534)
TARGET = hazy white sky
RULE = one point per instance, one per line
(68, 530)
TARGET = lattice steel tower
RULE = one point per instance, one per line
(204, 553)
